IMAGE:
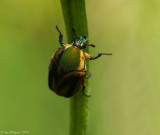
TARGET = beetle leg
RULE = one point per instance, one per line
(60, 37)
(95, 57)
(83, 89)
(89, 76)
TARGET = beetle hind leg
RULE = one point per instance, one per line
(60, 37)
(83, 90)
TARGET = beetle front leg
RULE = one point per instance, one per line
(60, 37)
(95, 57)
(83, 89)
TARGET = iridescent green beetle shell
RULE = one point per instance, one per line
(67, 70)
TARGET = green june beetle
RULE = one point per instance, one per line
(67, 70)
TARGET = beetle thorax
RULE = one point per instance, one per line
(80, 42)
(71, 59)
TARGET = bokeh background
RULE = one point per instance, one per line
(125, 86)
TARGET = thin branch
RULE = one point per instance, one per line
(75, 17)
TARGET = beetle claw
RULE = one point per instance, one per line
(83, 90)
(87, 95)
(89, 76)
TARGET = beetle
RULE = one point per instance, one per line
(67, 69)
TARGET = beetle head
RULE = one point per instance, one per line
(80, 42)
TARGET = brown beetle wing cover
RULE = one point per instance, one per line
(70, 83)
(64, 84)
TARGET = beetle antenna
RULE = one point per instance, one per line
(74, 32)
(92, 45)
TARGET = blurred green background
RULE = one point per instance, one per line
(125, 86)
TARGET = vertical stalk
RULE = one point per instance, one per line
(75, 17)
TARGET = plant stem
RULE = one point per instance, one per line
(75, 17)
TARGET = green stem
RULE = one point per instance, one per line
(75, 17)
